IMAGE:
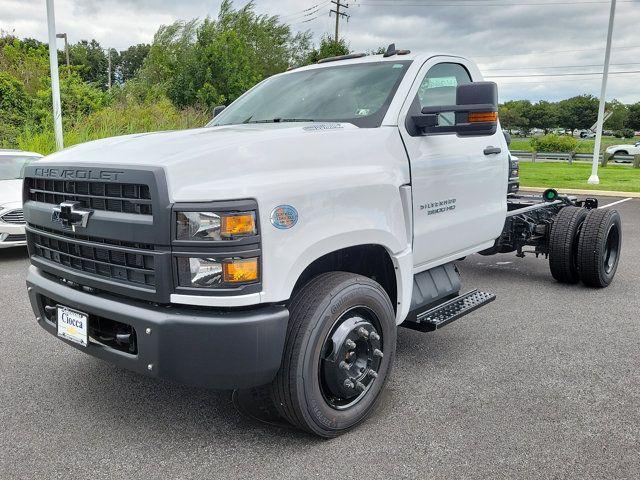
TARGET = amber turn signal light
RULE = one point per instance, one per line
(240, 271)
(236, 225)
(477, 117)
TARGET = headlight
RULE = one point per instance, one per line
(200, 226)
(196, 272)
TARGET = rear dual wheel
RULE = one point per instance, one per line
(585, 246)
(599, 247)
(563, 244)
(339, 351)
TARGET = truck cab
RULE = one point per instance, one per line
(281, 246)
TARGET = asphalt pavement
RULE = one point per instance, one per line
(542, 383)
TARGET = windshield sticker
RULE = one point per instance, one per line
(322, 126)
(363, 112)
(397, 65)
(435, 82)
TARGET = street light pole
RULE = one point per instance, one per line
(594, 179)
(55, 80)
(66, 45)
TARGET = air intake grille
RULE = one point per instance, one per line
(121, 264)
(112, 197)
(15, 216)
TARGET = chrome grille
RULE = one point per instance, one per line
(14, 238)
(112, 197)
(15, 216)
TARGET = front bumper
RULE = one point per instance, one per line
(12, 235)
(212, 348)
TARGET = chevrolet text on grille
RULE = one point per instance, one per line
(104, 175)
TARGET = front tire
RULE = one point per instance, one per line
(339, 351)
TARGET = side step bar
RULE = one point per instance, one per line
(447, 312)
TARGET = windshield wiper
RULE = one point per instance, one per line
(282, 120)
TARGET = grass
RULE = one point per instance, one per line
(115, 120)
(585, 145)
(563, 175)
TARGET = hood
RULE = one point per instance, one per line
(237, 161)
(10, 192)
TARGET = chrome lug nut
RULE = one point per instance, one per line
(360, 386)
(378, 353)
(344, 365)
(350, 344)
(363, 332)
(374, 336)
(348, 384)
(373, 373)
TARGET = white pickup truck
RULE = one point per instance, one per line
(283, 244)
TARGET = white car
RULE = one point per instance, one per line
(624, 149)
(12, 165)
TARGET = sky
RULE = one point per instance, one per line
(515, 42)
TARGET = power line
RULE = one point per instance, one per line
(575, 74)
(553, 66)
(556, 51)
(478, 4)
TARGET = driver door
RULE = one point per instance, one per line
(459, 188)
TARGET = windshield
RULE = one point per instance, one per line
(12, 167)
(358, 94)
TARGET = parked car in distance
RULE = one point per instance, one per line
(617, 150)
(12, 165)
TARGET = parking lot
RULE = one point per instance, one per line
(544, 382)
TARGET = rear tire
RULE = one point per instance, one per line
(326, 352)
(599, 247)
(621, 152)
(563, 244)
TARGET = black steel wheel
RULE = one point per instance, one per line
(339, 351)
(563, 244)
(599, 247)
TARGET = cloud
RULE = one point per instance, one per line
(506, 37)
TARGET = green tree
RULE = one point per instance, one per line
(91, 60)
(619, 114)
(633, 120)
(14, 107)
(216, 60)
(578, 112)
(328, 48)
(543, 115)
(131, 60)
(515, 114)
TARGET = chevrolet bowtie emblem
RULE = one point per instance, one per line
(71, 215)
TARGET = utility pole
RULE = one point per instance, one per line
(55, 80)
(66, 45)
(338, 15)
(109, 70)
(594, 179)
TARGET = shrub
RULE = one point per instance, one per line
(624, 133)
(554, 143)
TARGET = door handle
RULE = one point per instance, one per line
(492, 150)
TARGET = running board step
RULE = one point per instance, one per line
(447, 312)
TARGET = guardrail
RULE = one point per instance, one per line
(630, 160)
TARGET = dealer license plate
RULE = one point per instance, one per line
(72, 325)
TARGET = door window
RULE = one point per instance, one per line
(438, 87)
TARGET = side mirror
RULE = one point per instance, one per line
(476, 112)
(218, 110)
(507, 137)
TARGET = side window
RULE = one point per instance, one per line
(439, 88)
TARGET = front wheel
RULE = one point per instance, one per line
(340, 347)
